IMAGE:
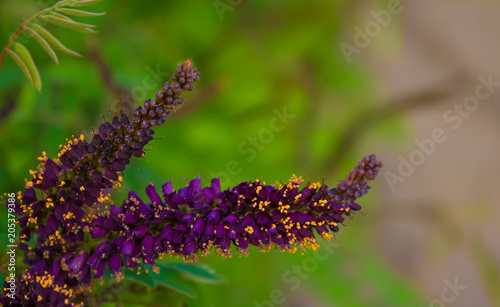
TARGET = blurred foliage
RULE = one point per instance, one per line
(261, 57)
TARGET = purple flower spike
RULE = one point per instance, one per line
(251, 213)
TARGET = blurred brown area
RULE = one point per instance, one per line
(441, 217)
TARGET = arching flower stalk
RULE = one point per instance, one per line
(196, 220)
(72, 184)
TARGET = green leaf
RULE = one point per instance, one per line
(2, 278)
(69, 23)
(21, 65)
(196, 272)
(84, 3)
(56, 14)
(42, 43)
(28, 60)
(144, 277)
(52, 40)
(74, 12)
(173, 280)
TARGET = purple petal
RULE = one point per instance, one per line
(198, 227)
(167, 188)
(231, 219)
(167, 232)
(114, 263)
(147, 244)
(214, 216)
(138, 232)
(153, 195)
(215, 185)
(128, 247)
(98, 232)
(76, 264)
(51, 224)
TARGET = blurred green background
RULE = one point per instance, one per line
(255, 58)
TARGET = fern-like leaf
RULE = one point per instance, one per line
(56, 15)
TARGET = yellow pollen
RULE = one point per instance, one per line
(315, 185)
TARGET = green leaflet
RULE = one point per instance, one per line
(75, 12)
(30, 65)
(68, 23)
(173, 280)
(56, 14)
(195, 272)
(84, 3)
(54, 42)
(144, 278)
(27, 68)
(179, 277)
(21, 64)
(45, 45)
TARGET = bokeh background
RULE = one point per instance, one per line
(356, 80)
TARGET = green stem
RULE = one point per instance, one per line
(26, 23)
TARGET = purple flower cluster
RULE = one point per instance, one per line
(74, 183)
(70, 186)
(197, 220)
(41, 291)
